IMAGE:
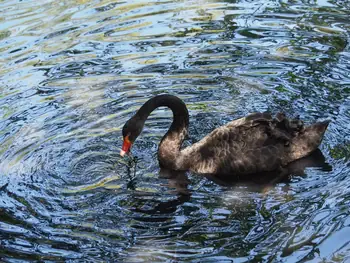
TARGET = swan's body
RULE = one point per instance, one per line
(252, 144)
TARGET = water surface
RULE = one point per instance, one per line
(72, 73)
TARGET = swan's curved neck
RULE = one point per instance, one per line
(169, 147)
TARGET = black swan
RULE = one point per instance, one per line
(252, 144)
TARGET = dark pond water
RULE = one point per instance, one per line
(72, 73)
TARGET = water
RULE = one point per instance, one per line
(72, 73)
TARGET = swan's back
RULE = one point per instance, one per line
(255, 143)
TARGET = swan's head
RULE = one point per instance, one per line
(131, 130)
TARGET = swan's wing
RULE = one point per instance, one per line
(251, 147)
(251, 119)
(251, 144)
(266, 158)
(236, 159)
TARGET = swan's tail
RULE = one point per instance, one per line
(307, 141)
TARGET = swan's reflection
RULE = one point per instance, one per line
(177, 182)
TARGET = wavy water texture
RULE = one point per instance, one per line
(72, 73)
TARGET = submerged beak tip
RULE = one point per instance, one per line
(122, 153)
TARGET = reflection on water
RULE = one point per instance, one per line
(73, 72)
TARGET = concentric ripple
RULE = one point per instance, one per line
(72, 73)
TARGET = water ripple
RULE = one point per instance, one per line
(72, 73)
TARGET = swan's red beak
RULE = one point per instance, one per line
(126, 146)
